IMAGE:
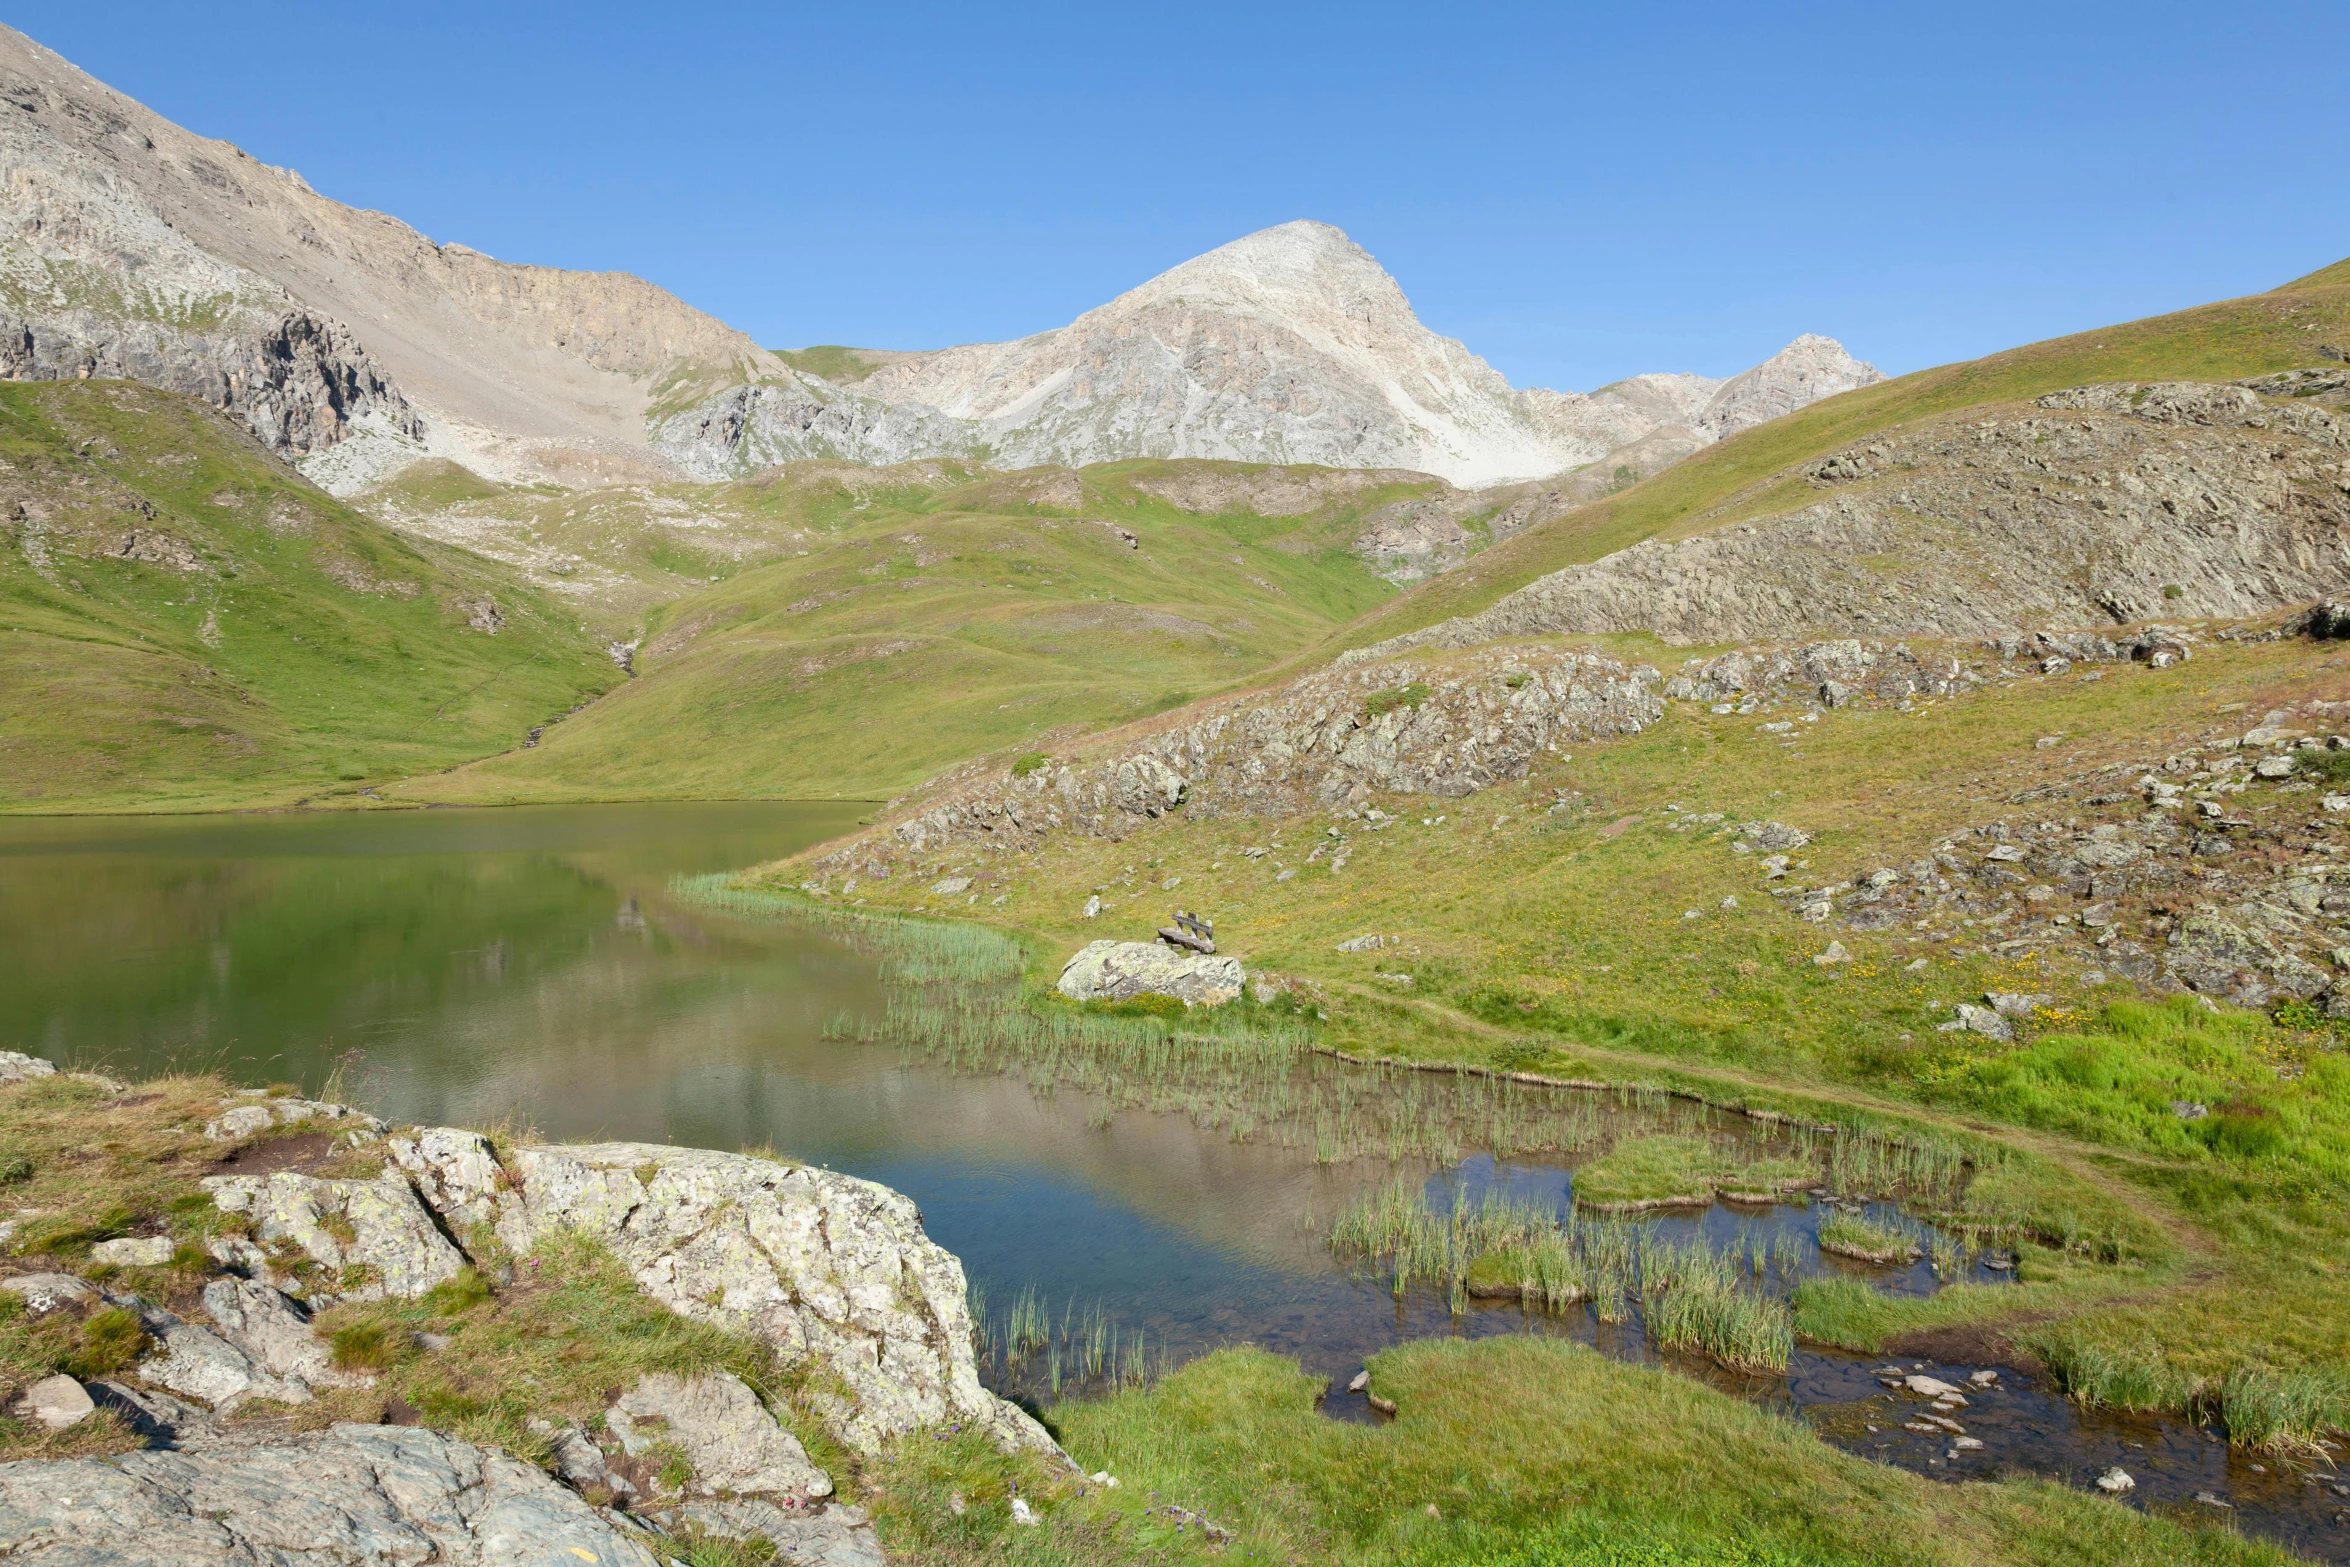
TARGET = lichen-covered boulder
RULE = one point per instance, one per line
(348, 1495)
(370, 1239)
(1123, 970)
(823, 1266)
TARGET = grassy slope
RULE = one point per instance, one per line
(2279, 330)
(114, 696)
(1564, 942)
(917, 627)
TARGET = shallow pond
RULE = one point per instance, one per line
(532, 965)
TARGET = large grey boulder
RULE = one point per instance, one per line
(373, 1238)
(825, 1267)
(343, 1497)
(1123, 970)
(735, 1446)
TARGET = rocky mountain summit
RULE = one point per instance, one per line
(1290, 345)
(2096, 506)
(350, 342)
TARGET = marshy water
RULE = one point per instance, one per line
(1124, 1195)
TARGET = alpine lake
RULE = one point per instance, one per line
(1125, 1194)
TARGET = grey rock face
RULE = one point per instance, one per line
(733, 1443)
(198, 1363)
(272, 1332)
(823, 1266)
(343, 1497)
(45, 1292)
(1123, 970)
(394, 1250)
(2103, 505)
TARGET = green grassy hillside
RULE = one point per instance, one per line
(891, 623)
(187, 623)
(2289, 327)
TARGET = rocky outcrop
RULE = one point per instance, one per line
(2092, 508)
(829, 1269)
(330, 1240)
(349, 1494)
(1331, 739)
(1123, 970)
(798, 418)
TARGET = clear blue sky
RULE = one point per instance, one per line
(1578, 192)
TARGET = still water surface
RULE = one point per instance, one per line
(528, 965)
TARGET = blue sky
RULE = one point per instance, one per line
(1578, 192)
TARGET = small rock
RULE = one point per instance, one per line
(2204, 1497)
(1917, 965)
(1984, 1021)
(2008, 1003)
(16, 1067)
(1362, 1379)
(1362, 944)
(1984, 1377)
(45, 1292)
(2273, 767)
(57, 1402)
(1093, 907)
(951, 886)
(2189, 1110)
(1930, 1387)
(1022, 1514)
(135, 1251)
(1104, 1479)
(2006, 854)
(1834, 954)
(2116, 1480)
(1965, 1444)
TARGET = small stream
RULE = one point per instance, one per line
(468, 966)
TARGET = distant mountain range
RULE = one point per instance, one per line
(354, 345)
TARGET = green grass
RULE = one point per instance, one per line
(1530, 1450)
(1742, 477)
(1871, 1240)
(871, 628)
(278, 646)
(1667, 1170)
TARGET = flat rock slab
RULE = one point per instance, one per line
(1123, 970)
(350, 1496)
(394, 1248)
(835, 1536)
(734, 1444)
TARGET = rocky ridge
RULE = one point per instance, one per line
(2092, 507)
(1290, 345)
(1327, 740)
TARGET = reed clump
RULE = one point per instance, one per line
(1868, 1239)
